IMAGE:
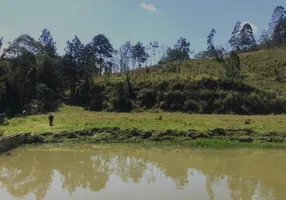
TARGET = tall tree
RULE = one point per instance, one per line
(180, 51)
(152, 47)
(103, 50)
(246, 38)
(234, 40)
(265, 39)
(210, 44)
(277, 15)
(48, 42)
(242, 38)
(73, 62)
(210, 41)
(23, 44)
(212, 51)
(162, 53)
(1, 41)
(139, 53)
(6, 80)
(22, 54)
(232, 72)
(184, 47)
(124, 55)
(88, 61)
(279, 33)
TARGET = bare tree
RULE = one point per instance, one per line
(152, 47)
(124, 55)
(162, 52)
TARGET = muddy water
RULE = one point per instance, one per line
(132, 172)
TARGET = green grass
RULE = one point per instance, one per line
(70, 117)
(257, 67)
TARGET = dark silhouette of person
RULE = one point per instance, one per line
(51, 119)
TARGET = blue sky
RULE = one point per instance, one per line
(134, 20)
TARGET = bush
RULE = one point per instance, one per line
(163, 105)
(116, 98)
(171, 68)
(176, 107)
(191, 105)
(206, 94)
(175, 97)
(146, 98)
(96, 103)
(6, 122)
(222, 105)
(121, 104)
(36, 107)
(159, 118)
(178, 86)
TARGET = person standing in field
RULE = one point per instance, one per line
(51, 119)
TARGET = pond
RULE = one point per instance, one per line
(121, 172)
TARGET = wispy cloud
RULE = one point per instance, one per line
(253, 26)
(149, 7)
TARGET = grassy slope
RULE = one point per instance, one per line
(257, 67)
(75, 118)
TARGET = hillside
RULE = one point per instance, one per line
(258, 68)
(194, 86)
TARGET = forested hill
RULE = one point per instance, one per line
(248, 79)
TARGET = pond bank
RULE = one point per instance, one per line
(11, 141)
(216, 138)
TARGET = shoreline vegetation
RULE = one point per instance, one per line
(216, 138)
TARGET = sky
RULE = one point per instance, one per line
(163, 21)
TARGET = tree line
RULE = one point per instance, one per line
(34, 76)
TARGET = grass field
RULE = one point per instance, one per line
(257, 67)
(69, 117)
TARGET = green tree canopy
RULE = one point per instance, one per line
(139, 54)
(103, 50)
(48, 42)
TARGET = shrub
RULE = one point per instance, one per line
(116, 98)
(206, 94)
(36, 107)
(191, 105)
(159, 118)
(96, 104)
(178, 86)
(175, 97)
(121, 104)
(247, 121)
(163, 105)
(146, 97)
(6, 122)
(176, 107)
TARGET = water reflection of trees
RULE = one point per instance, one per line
(244, 171)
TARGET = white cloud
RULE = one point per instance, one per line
(253, 26)
(149, 7)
